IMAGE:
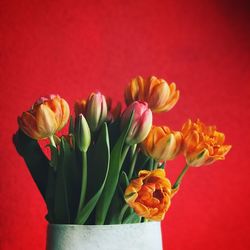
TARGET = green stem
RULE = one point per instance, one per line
(162, 165)
(155, 166)
(123, 211)
(132, 166)
(179, 179)
(84, 182)
(133, 150)
(151, 164)
(124, 152)
(53, 153)
(52, 141)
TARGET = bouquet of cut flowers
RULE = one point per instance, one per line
(109, 167)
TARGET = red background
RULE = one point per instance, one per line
(75, 47)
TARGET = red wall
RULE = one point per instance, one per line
(74, 47)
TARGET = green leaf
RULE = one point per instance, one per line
(73, 184)
(114, 133)
(115, 209)
(62, 213)
(98, 167)
(118, 203)
(113, 175)
(50, 195)
(54, 156)
(132, 218)
(71, 125)
(36, 161)
(143, 162)
(124, 181)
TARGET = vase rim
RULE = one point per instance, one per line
(105, 226)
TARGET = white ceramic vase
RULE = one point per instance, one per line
(146, 236)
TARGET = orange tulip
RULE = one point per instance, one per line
(47, 116)
(162, 144)
(203, 145)
(114, 112)
(159, 95)
(80, 107)
(150, 194)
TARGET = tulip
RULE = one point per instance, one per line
(150, 194)
(113, 112)
(159, 95)
(162, 144)
(203, 145)
(83, 139)
(141, 122)
(80, 107)
(83, 136)
(96, 112)
(46, 117)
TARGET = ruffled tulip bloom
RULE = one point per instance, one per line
(162, 144)
(96, 111)
(47, 116)
(203, 145)
(150, 194)
(159, 95)
(141, 122)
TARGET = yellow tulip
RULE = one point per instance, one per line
(150, 194)
(162, 144)
(203, 145)
(47, 116)
(159, 95)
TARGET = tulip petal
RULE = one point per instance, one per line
(65, 114)
(198, 159)
(46, 121)
(27, 123)
(159, 95)
(162, 144)
(97, 111)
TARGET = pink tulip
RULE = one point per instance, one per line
(141, 123)
(96, 113)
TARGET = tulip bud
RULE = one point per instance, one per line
(80, 107)
(96, 112)
(162, 144)
(83, 136)
(141, 122)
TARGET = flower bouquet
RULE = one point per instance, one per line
(109, 168)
